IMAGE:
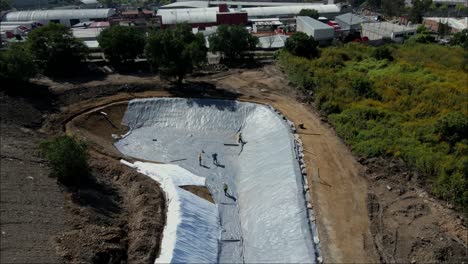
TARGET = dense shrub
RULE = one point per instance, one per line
(68, 158)
(300, 44)
(16, 64)
(413, 107)
(383, 53)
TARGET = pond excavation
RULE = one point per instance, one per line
(250, 160)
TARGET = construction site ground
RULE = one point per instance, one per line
(367, 210)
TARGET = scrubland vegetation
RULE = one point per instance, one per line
(408, 101)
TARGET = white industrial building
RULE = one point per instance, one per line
(232, 4)
(380, 30)
(207, 14)
(328, 11)
(321, 32)
(67, 17)
(350, 22)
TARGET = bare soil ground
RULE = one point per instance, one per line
(360, 219)
(32, 206)
(118, 217)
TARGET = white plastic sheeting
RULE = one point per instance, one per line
(192, 226)
(163, 172)
(264, 217)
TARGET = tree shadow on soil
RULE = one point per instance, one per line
(204, 94)
(37, 95)
(99, 196)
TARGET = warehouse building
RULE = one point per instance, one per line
(321, 32)
(67, 17)
(350, 22)
(202, 18)
(381, 30)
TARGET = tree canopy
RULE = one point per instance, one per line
(16, 64)
(310, 13)
(392, 7)
(418, 9)
(175, 52)
(300, 44)
(55, 50)
(232, 41)
(460, 38)
(423, 35)
(121, 44)
(5, 5)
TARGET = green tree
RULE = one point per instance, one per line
(423, 35)
(443, 8)
(393, 7)
(299, 44)
(16, 64)
(418, 9)
(460, 38)
(232, 41)
(68, 158)
(310, 13)
(121, 44)
(459, 8)
(375, 4)
(55, 50)
(175, 52)
(5, 5)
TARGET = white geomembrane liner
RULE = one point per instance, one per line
(192, 228)
(161, 172)
(263, 217)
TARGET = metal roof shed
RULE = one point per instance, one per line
(318, 30)
(67, 17)
(350, 21)
(292, 10)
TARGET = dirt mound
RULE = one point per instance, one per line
(117, 219)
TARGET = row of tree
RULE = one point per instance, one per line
(53, 51)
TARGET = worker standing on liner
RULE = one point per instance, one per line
(200, 159)
(225, 188)
(239, 139)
